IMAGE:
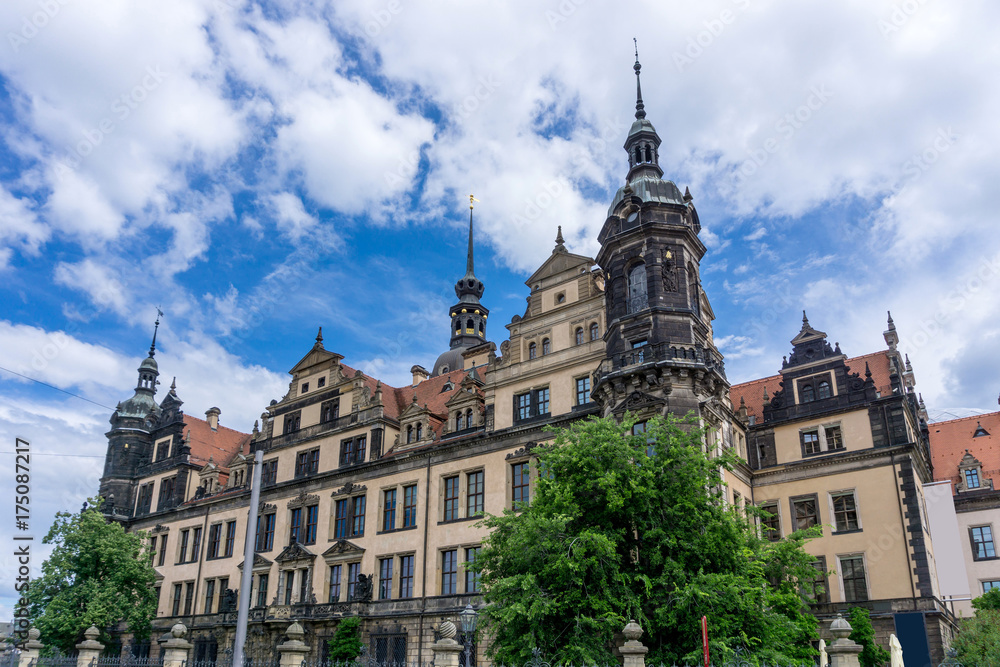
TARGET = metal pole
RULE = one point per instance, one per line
(246, 579)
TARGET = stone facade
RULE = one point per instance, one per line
(370, 494)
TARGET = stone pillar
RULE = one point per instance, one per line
(633, 652)
(294, 651)
(843, 652)
(32, 648)
(447, 651)
(177, 649)
(89, 650)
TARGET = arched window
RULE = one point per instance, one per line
(693, 294)
(420, 431)
(482, 329)
(637, 288)
(458, 326)
(808, 395)
(638, 154)
(468, 418)
(824, 390)
(459, 421)
(546, 346)
(579, 335)
(593, 331)
(409, 434)
(532, 351)
(470, 326)
(649, 153)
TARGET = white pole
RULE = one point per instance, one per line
(246, 579)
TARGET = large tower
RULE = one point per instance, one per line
(468, 316)
(660, 354)
(129, 441)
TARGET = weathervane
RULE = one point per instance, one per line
(472, 198)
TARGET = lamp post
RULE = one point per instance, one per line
(469, 619)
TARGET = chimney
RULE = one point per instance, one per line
(419, 374)
(212, 417)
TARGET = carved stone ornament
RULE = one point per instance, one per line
(522, 452)
(302, 500)
(637, 400)
(343, 547)
(349, 488)
(294, 552)
(264, 508)
(159, 528)
(363, 589)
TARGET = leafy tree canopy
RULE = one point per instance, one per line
(863, 633)
(978, 641)
(346, 641)
(97, 575)
(612, 533)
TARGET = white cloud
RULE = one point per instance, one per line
(99, 282)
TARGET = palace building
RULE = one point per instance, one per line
(370, 493)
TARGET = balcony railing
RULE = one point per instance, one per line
(693, 354)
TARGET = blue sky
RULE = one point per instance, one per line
(258, 170)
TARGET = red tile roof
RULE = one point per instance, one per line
(950, 440)
(219, 445)
(428, 392)
(753, 392)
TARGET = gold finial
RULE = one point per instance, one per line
(472, 198)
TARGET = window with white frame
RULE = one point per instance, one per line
(821, 439)
(844, 505)
(853, 577)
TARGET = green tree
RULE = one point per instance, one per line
(978, 640)
(863, 633)
(346, 641)
(97, 574)
(612, 533)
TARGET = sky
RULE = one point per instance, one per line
(257, 170)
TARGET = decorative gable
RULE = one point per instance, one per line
(343, 550)
(293, 553)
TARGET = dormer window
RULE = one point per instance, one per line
(808, 394)
(824, 390)
(980, 431)
(972, 478)
(409, 434)
(419, 431)
(459, 421)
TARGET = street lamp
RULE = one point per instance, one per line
(469, 619)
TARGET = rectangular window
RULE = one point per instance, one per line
(265, 532)
(182, 557)
(771, 522)
(340, 520)
(982, 543)
(450, 498)
(145, 499)
(209, 595)
(520, 489)
(312, 518)
(289, 585)
(262, 581)
(329, 410)
(353, 450)
(360, 448)
(476, 493)
(152, 549)
(163, 552)
(196, 545)
(852, 573)
(810, 442)
(230, 537)
(292, 422)
(304, 585)
(334, 583)
(409, 506)
(162, 449)
(805, 512)
(834, 438)
(358, 516)
(177, 600)
(305, 387)
(471, 578)
(522, 403)
(294, 524)
(582, 391)
(845, 511)
(347, 452)
(307, 463)
(166, 498)
(269, 472)
(214, 537)
(990, 585)
(353, 570)
(542, 401)
(449, 572)
(389, 509)
(820, 592)
(188, 597)
(385, 579)
(320, 383)
(406, 576)
(972, 478)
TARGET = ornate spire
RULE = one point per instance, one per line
(640, 109)
(559, 236)
(319, 336)
(805, 320)
(469, 263)
(892, 325)
(156, 327)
